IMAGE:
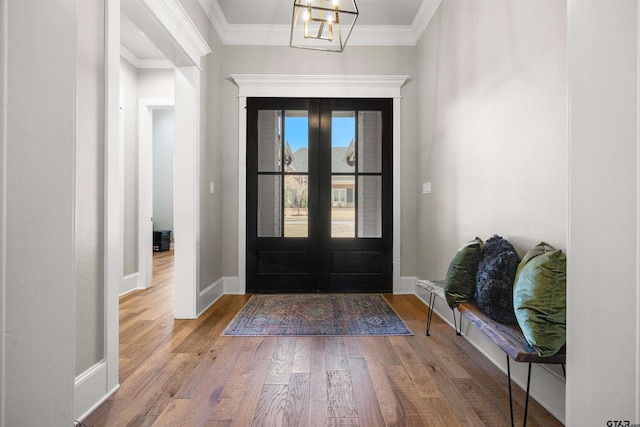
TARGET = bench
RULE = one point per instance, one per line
(511, 340)
(508, 337)
(435, 289)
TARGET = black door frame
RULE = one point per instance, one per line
(320, 252)
(343, 273)
(300, 253)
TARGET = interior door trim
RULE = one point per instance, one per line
(309, 86)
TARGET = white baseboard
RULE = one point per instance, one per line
(407, 285)
(129, 284)
(209, 295)
(90, 390)
(232, 285)
(547, 382)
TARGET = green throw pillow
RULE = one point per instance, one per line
(540, 298)
(460, 283)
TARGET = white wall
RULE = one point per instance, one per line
(492, 127)
(284, 60)
(603, 369)
(163, 143)
(149, 83)
(137, 83)
(90, 122)
(129, 83)
(38, 278)
(492, 140)
(212, 244)
(3, 200)
(156, 83)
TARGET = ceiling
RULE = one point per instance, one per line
(278, 12)
(267, 22)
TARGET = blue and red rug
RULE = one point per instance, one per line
(317, 314)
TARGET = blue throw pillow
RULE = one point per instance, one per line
(494, 280)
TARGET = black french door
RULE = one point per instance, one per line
(319, 195)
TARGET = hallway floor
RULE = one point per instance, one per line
(183, 373)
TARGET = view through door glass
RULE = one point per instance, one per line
(319, 183)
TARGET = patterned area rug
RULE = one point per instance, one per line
(316, 314)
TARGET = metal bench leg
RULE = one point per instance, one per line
(526, 402)
(510, 395)
(457, 324)
(432, 300)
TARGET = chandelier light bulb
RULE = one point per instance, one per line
(322, 24)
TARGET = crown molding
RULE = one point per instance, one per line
(278, 35)
(424, 16)
(216, 17)
(144, 63)
(350, 86)
(182, 30)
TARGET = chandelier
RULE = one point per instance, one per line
(322, 24)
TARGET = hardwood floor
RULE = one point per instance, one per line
(183, 373)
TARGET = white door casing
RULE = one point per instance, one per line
(316, 86)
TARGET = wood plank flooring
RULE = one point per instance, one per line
(183, 373)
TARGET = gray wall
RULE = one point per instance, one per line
(164, 131)
(492, 128)
(354, 60)
(211, 241)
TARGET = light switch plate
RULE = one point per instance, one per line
(426, 188)
(211, 187)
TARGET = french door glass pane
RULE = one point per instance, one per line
(296, 185)
(296, 216)
(269, 206)
(370, 141)
(269, 141)
(343, 216)
(296, 151)
(369, 206)
(343, 134)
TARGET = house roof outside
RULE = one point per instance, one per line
(339, 158)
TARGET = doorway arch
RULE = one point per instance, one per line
(170, 28)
